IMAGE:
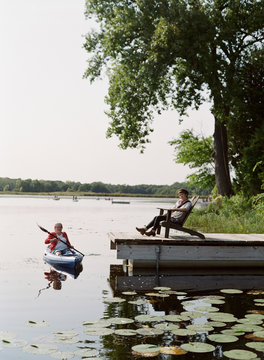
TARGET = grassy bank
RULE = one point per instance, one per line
(230, 215)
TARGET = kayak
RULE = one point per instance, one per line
(69, 260)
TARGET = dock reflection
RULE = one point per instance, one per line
(193, 281)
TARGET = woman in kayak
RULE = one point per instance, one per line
(56, 246)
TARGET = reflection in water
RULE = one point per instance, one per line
(199, 288)
(59, 273)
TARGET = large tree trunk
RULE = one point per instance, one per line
(222, 173)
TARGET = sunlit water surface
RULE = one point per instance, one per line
(28, 295)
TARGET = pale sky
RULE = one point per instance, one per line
(52, 121)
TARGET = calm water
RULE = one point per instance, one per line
(27, 290)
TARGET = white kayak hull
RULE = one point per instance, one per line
(63, 260)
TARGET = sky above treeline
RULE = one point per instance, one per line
(53, 122)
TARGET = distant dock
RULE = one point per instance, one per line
(216, 251)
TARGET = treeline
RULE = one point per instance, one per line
(51, 186)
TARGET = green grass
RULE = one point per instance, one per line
(237, 215)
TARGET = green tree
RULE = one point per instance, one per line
(164, 54)
(196, 152)
(246, 128)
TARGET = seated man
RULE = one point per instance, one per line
(182, 206)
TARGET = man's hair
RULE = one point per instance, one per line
(184, 191)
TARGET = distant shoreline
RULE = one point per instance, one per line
(87, 194)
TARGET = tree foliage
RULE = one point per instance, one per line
(197, 153)
(48, 186)
(177, 54)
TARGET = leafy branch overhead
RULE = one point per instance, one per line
(168, 54)
(197, 153)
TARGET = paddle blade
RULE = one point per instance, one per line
(41, 228)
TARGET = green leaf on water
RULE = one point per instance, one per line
(198, 347)
(125, 332)
(162, 288)
(231, 291)
(259, 346)
(146, 348)
(150, 331)
(222, 338)
(120, 321)
(183, 332)
(5, 341)
(240, 354)
(34, 346)
(200, 328)
(32, 322)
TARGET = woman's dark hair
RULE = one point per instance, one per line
(184, 191)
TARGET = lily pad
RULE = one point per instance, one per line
(180, 293)
(189, 303)
(247, 327)
(259, 334)
(166, 326)
(129, 293)
(216, 324)
(255, 316)
(259, 300)
(173, 318)
(222, 338)
(162, 288)
(200, 328)
(231, 291)
(183, 332)
(253, 338)
(146, 348)
(256, 345)
(97, 323)
(207, 308)
(66, 333)
(192, 314)
(198, 347)
(14, 343)
(233, 332)
(114, 300)
(250, 321)
(7, 335)
(62, 355)
(172, 350)
(98, 331)
(214, 301)
(86, 352)
(149, 332)
(66, 340)
(121, 321)
(240, 354)
(40, 323)
(40, 349)
(148, 318)
(138, 302)
(125, 332)
(221, 316)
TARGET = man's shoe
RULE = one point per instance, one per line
(141, 230)
(151, 233)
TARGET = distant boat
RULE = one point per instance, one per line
(56, 197)
(75, 199)
(120, 202)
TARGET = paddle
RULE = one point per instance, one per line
(56, 237)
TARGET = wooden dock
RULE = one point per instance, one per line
(217, 250)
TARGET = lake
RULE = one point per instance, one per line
(43, 312)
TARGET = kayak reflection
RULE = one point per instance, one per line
(58, 273)
(55, 278)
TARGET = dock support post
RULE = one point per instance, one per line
(157, 251)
